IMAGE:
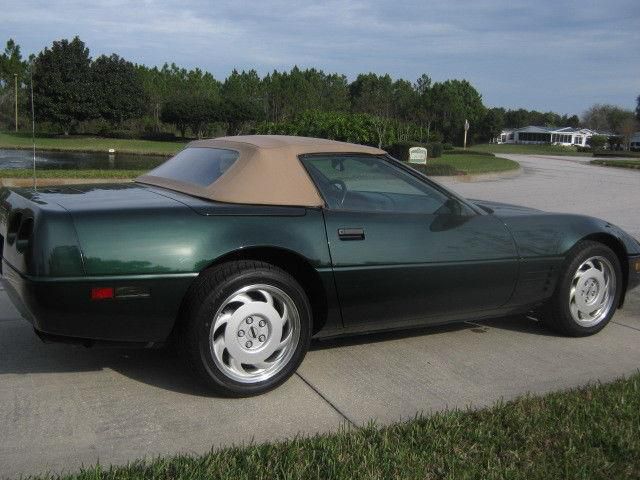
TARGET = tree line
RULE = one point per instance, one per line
(109, 95)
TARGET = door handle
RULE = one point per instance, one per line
(351, 233)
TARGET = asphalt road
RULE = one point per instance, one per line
(63, 406)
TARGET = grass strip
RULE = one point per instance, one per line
(465, 164)
(592, 432)
(63, 173)
(90, 144)
(632, 164)
(529, 149)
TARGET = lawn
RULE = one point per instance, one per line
(632, 164)
(593, 432)
(457, 164)
(90, 144)
(61, 173)
(529, 149)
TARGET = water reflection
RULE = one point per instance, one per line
(78, 160)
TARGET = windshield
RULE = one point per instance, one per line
(197, 165)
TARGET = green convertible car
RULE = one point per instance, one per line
(242, 249)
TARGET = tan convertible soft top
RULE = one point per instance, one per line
(267, 171)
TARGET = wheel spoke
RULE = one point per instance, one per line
(221, 320)
(241, 298)
(268, 297)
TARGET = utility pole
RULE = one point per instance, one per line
(15, 78)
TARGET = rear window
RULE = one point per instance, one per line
(197, 165)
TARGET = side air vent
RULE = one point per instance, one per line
(24, 234)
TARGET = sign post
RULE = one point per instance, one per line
(466, 129)
(418, 155)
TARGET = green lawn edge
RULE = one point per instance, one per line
(590, 432)
(70, 174)
(465, 164)
(506, 148)
(629, 164)
(89, 144)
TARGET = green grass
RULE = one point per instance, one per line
(469, 164)
(89, 144)
(529, 149)
(593, 433)
(61, 173)
(632, 164)
(615, 153)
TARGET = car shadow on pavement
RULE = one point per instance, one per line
(21, 352)
(517, 323)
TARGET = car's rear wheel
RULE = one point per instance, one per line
(588, 291)
(247, 327)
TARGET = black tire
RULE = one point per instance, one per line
(558, 315)
(204, 299)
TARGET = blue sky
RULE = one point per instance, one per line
(548, 55)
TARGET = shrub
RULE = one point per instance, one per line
(580, 148)
(434, 150)
(598, 141)
(447, 147)
(159, 136)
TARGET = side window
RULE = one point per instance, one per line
(370, 183)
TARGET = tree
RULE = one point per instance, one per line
(118, 90)
(11, 64)
(191, 111)
(62, 85)
(638, 109)
(453, 101)
(491, 124)
(606, 118)
(627, 129)
(243, 100)
(374, 95)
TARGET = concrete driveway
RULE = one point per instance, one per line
(62, 406)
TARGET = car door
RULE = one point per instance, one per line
(403, 249)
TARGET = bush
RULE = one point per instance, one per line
(447, 147)
(580, 148)
(159, 136)
(400, 150)
(598, 141)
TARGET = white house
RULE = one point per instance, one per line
(566, 136)
(634, 142)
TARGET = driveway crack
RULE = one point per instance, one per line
(628, 326)
(329, 402)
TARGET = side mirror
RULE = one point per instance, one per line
(453, 206)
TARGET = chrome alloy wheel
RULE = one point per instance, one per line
(592, 291)
(255, 333)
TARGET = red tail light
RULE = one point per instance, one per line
(101, 293)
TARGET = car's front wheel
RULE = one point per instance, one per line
(247, 327)
(588, 291)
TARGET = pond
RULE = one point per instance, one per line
(77, 160)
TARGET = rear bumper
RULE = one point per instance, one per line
(63, 307)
